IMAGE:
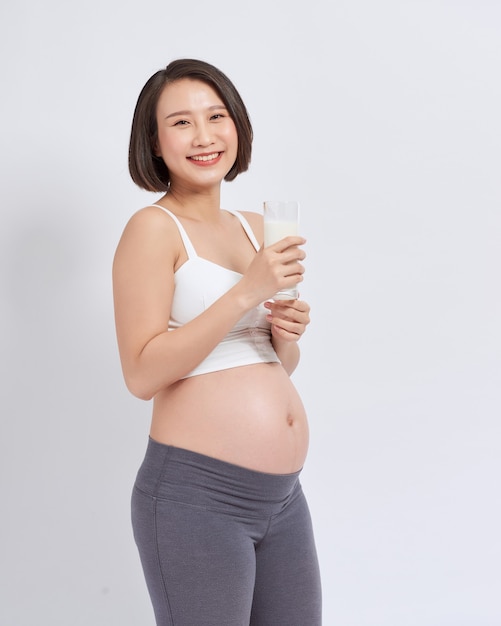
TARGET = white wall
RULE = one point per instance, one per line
(383, 119)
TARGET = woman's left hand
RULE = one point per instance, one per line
(288, 318)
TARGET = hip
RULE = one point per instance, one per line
(173, 474)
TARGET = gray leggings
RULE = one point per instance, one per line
(222, 545)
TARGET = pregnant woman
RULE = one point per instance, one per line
(222, 526)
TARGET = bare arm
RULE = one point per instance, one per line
(143, 284)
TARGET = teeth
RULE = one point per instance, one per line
(208, 157)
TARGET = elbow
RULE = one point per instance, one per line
(142, 394)
(138, 387)
(142, 382)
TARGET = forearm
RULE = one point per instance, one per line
(288, 352)
(288, 322)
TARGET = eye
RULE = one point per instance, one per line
(181, 123)
(217, 116)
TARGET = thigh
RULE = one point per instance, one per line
(287, 589)
(199, 564)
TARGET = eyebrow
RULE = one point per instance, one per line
(215, 107)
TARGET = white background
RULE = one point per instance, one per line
(383, 119)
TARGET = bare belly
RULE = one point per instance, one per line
(250, 416)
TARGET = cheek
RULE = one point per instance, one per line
(167, 146)
(232, 139)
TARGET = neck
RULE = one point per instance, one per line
(203, 205)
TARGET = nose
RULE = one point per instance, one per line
(203, 135)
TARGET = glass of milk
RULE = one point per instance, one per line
(281, 219)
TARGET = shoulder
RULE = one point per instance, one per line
(152, 218)
(152, 223)
(149, 231)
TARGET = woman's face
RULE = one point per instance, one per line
(197, 138)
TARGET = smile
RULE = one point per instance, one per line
(205, 157)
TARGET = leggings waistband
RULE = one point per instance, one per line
(181, 475)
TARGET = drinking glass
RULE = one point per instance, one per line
(281, 219)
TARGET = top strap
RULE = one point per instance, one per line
(248, 230)
(190, 250)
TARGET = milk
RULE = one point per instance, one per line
(274, 231)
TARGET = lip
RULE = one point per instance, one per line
(204, 159)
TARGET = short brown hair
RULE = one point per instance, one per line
(149, 171)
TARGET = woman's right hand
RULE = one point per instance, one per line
(273, 269)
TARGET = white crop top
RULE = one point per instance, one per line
(198, 283)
